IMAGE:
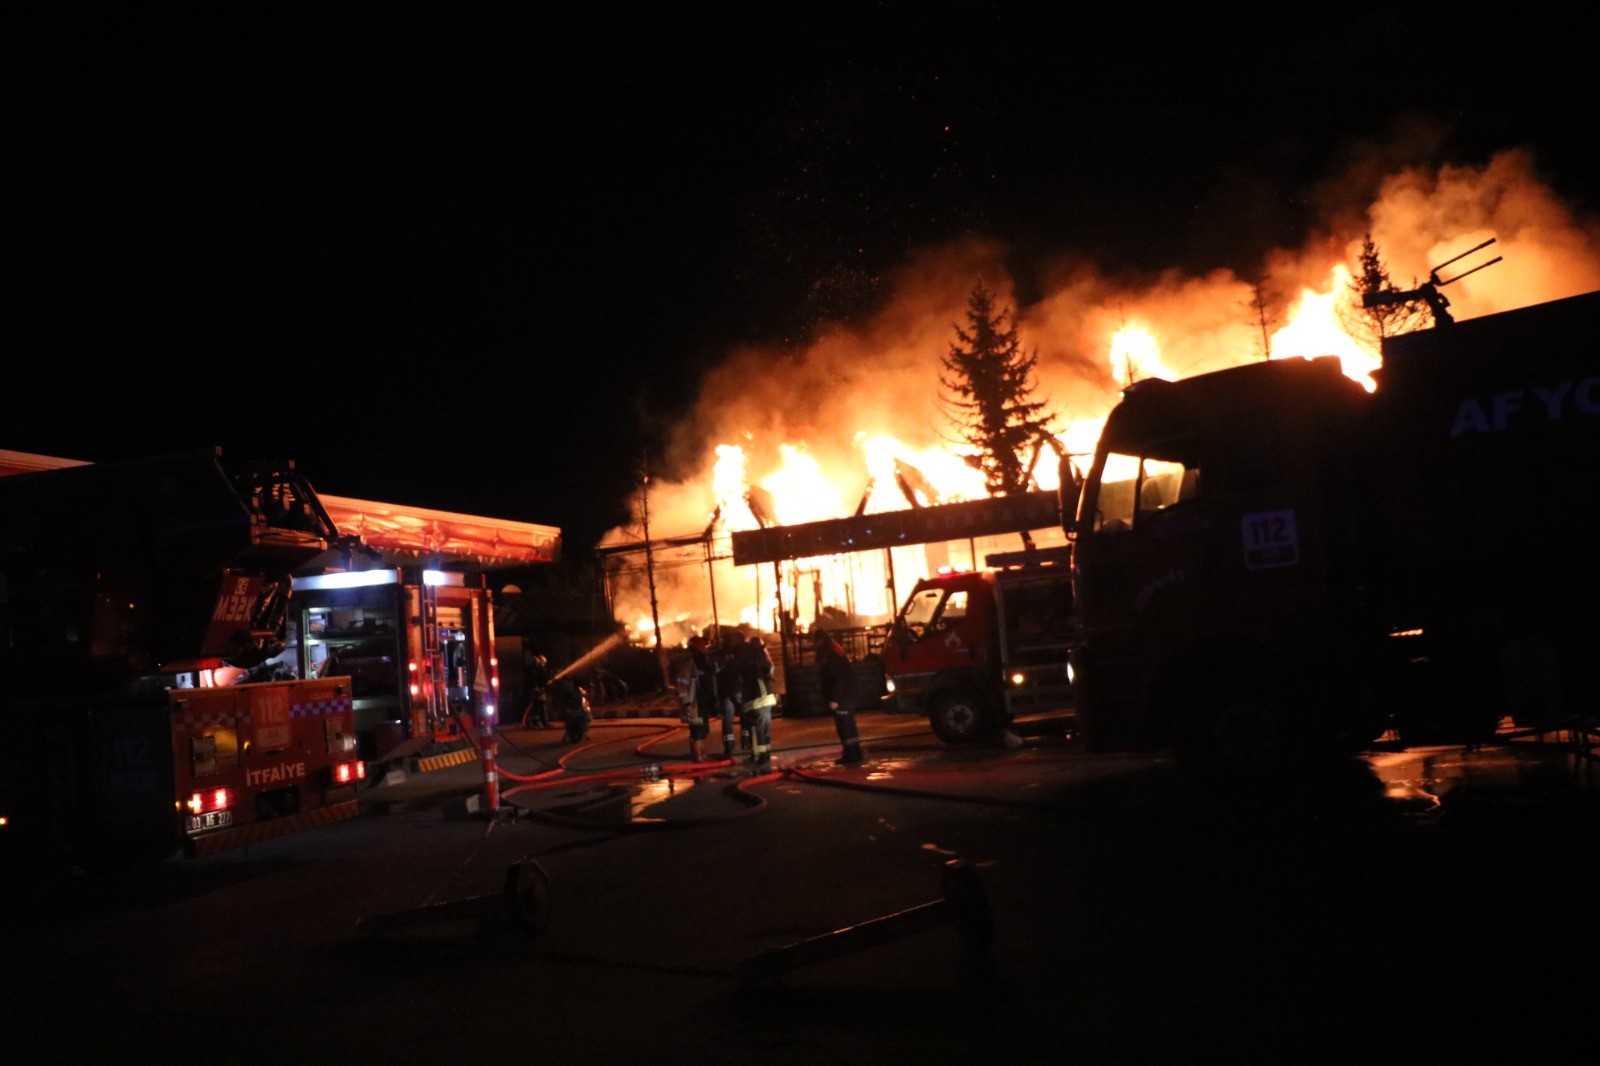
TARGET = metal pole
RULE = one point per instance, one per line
(777, 595)
(486, 683)
(894, 597)
(650, 575)
(965, 905)
(711, 578)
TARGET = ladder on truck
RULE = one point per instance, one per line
(435, 685)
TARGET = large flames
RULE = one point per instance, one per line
(851, 425)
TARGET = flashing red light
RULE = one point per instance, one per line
(347, 772)
(216, 800)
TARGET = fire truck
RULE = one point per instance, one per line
(403, 610)
(974, 650)
(1273, 564)
(416, 646)
(141, 605)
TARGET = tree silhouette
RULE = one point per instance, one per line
(1261, 302)
(1366, 325)
(987, 384)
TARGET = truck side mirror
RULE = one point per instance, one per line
(1071, 487)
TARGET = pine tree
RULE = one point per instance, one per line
(1366, 325)
(1262, 299)
(987, 385)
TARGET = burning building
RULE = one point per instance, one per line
(849, 427)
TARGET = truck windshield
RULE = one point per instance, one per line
(1132, 486)
(929, 608)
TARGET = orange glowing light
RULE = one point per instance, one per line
(1135, 356)
(1314, 329)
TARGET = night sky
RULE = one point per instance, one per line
(480, 262)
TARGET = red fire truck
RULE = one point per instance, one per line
(973, 650)
(141, 604)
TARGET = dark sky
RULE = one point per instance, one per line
(478, 262)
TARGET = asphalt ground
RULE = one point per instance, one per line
(1034, 902)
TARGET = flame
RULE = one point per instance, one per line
(801, 490)
(1314, 329)
(931, 476)
(729, 488)
(1136, 356)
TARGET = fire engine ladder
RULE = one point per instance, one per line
(437, 680)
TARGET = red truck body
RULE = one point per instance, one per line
(131, 594)
(974, 650)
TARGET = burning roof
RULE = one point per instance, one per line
(848, 426)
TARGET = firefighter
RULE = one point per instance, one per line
(730, 692)
(536, 682)
(755, 678)
(708, 704)
(687, 683)
(574, 708)
(839, 692)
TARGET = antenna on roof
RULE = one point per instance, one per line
(1428, 291)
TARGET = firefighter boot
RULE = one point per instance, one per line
(844, 722)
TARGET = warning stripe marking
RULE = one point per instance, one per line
(337, 705)
(439, 762)
(255, 832)
(304, 709)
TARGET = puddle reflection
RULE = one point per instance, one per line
(1427, 780)
(648, 800)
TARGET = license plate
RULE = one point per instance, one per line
(199, 823)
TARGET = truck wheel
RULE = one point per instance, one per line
(1235, 730)
(958, 718)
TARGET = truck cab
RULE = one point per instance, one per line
(1211, 552)
(973, 650)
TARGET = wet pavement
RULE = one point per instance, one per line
(638, 771)
(624, 904)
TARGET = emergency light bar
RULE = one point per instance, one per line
(360, 579)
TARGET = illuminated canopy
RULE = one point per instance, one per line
(423, 535)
